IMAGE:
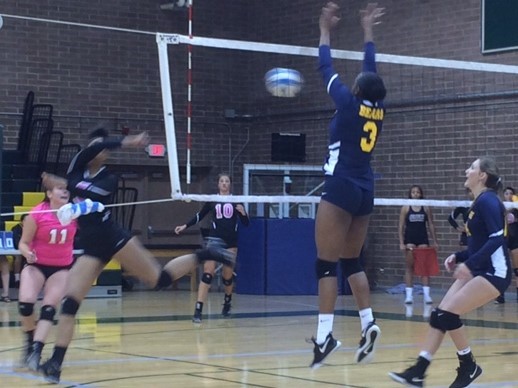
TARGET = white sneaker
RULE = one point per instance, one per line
(428, 299)
(409, 300)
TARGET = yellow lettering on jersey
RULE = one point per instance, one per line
(371, 113)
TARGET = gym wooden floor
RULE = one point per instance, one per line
(147, 339)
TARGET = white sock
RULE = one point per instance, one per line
(464, 351)
(426, 355)
(426, 291)
(325, 326)
(366, 317)
(408, 292)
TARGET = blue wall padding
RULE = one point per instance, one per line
(291, 255)
(251, 258)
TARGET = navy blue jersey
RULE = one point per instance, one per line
(100, 187)
(487, 251)
(224, 220)
(356, 125)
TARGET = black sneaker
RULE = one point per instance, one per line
(51, 371)
(196, 318)
(500, 299)
(466, 375)
(410, 377)
(368, 343)
(33, 360)
(225, 311)
(216, 249)
(322, 351)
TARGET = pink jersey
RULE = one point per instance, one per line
(53, 243)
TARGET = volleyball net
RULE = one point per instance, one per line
(422, 93)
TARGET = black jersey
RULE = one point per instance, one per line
(415, 227)
(224, 223)
(100, 187)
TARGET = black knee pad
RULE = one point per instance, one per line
(515, 272)
(350, 266)
(47, 313)
(227, 282)
(69, 306)
(206, 278)
(435, 321)
(164, 281)
(325, 269)
(25, 309)
(448, 321)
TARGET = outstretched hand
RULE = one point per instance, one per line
(140, 140)
(329, 16)
(370, 15)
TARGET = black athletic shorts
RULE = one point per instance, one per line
(103, 241)
(48, 270)
(348, 196)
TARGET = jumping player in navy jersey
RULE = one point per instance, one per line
(225, 216)
(348, 195)
(102, 238)
(482, 272)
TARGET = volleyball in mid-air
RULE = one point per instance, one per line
(281, 82)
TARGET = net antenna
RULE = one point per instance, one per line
(164, 40)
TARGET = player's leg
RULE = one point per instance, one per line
(203, 289)
(409, 273)
(32, 280)
(80, 279)
(227, 276)
(53, 292)
(331, 225)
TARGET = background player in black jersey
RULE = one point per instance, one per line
(413, 233)
(462, 212)
(102, 238)
(224, 225)
(348, 194)
(481, 272)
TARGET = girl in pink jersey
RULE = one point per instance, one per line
(48, 247)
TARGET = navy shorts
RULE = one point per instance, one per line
(348, 196)
(103, 241)
(501, 284)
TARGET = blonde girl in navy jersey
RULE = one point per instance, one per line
(348, 195)
(225, 216)
(481, 273)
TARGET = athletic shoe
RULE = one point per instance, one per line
(466, 375)
(216, 249)
(51, 371)
(196, 317)
(500, 299)
(33, 360)
(225, 311)
(322, 351)
(410, 377)
(409, 300)
(368, 343)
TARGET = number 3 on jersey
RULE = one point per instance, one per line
(367, 143)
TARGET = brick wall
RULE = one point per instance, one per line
(437, 123)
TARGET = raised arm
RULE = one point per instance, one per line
(370, 17)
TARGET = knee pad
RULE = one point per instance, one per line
(227, 282)
(206, 278)
(164, 281)
(435, 321)
(25, 309)
(350, 266)
(69, 306)
(448, 321)
(47, 313)
(515, 272)
(325, 269)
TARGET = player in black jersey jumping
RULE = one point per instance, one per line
(102, 238)
(481, 273)
(224, 225)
